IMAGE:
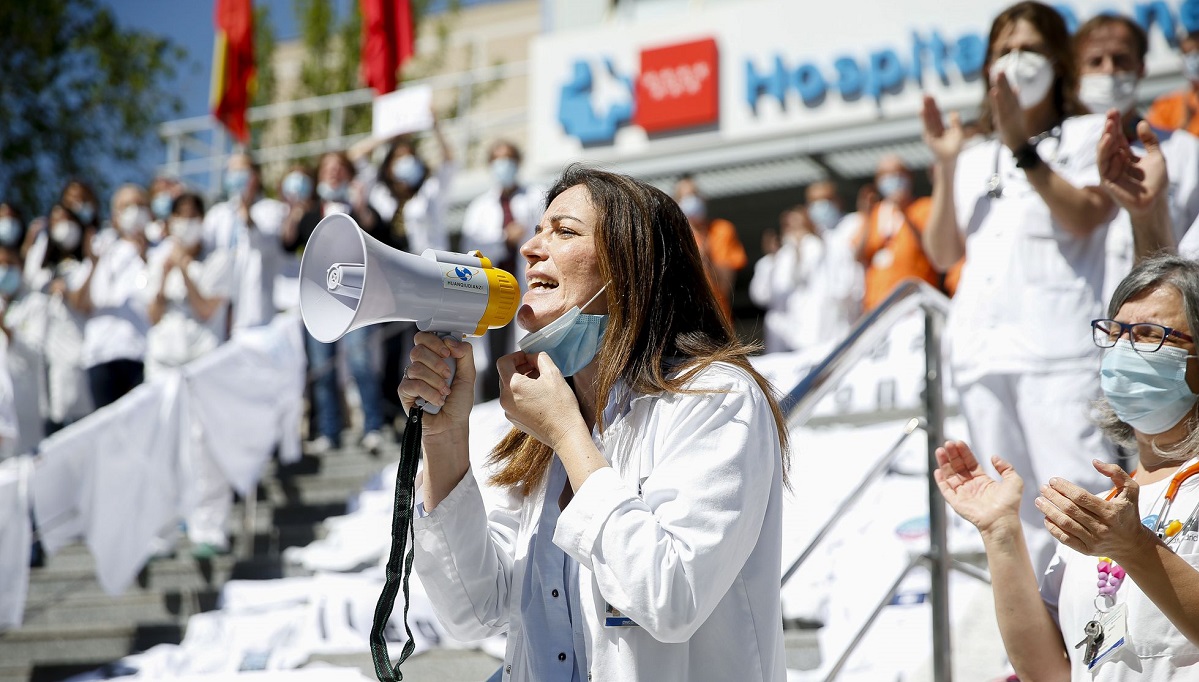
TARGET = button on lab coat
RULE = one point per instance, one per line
(682, 535)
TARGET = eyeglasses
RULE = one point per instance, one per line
(1146, 336)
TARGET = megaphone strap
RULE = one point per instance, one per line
(401, 529)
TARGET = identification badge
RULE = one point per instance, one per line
(883, 259)
(1115, 634)
(615, 619)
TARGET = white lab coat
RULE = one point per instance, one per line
(257, 256)
(682, 534)
(1156, 649)
(483, 223)
(16, 538)
(809, 291)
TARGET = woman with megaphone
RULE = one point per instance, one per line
(640, 533)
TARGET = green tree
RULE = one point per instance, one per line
(330, 65)
(78, 93)
(264, 72)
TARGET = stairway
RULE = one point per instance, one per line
(72, 626)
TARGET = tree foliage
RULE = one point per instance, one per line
(78, 91)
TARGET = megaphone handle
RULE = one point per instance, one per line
(452, 362)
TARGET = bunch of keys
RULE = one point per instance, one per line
(1094, 638)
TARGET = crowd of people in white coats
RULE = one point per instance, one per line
(1039, 209)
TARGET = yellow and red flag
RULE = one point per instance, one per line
(388, 40)
(233, 65)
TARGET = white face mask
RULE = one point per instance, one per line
(133, 220)
(1102, 91)
(187, 230)
(1030, 74)
(67, 234)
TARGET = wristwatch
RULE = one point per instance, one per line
(1027, 157)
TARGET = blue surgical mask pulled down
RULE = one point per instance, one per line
(1148, 391)
(572, 340)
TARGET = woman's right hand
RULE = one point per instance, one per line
(944, 142)
(972, 493)
(426, 378)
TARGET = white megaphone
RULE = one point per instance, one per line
(349, 280)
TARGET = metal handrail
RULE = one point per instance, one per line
(909, 295)
(799, 404)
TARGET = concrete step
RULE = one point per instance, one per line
(132, 607)
(84, 644)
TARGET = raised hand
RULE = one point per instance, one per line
(973, 494)
(536, 397)
(1091, 524)
(1009, 117)
(945, 142)
(1135, 183)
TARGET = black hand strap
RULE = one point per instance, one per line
(401, 529)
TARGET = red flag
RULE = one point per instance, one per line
(388, 40)
(233, 65)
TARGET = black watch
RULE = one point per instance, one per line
(1027, 157)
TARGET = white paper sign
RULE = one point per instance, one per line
(406, 110)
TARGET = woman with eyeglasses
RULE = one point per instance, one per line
(1026, 208)
(1120, 599)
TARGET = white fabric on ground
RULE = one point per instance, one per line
(247, 396)
(112, 480)
(16, 539)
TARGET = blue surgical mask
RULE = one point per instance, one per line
(693, 207)
(1148, 391)
(160, 205)
(86, 212)
(236, 182)
(10, 231)
(824, 214)
(503, 171)
(572, 340)
(892, 184)
(10, 280)
(296, 186)
(408, 170)
(327, 192)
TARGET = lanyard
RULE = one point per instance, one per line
(1168, 501)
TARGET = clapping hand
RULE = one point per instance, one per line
(1090, 524)
(945, 142)
(972, 493)
(1135, 183)
(1009, 117)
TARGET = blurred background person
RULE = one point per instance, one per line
(106, 291)
(1027, 207)
(187, 292)
(889, 246)
(796, 282)
(12, 227)
(1111, 53)
(411, 198)
(1176, 110)
(188, 302)
(23, 321)
(496, 223)
(163, 190)
(248, 225)
(54, 329)
(718, 242)
(339, 193)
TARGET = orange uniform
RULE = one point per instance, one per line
(1173, 109)
(893, 251)
(721, 248)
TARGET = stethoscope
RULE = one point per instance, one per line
(1154, 521)
(995, 183)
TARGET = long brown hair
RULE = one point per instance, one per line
(1052, 27)
(663, 316)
